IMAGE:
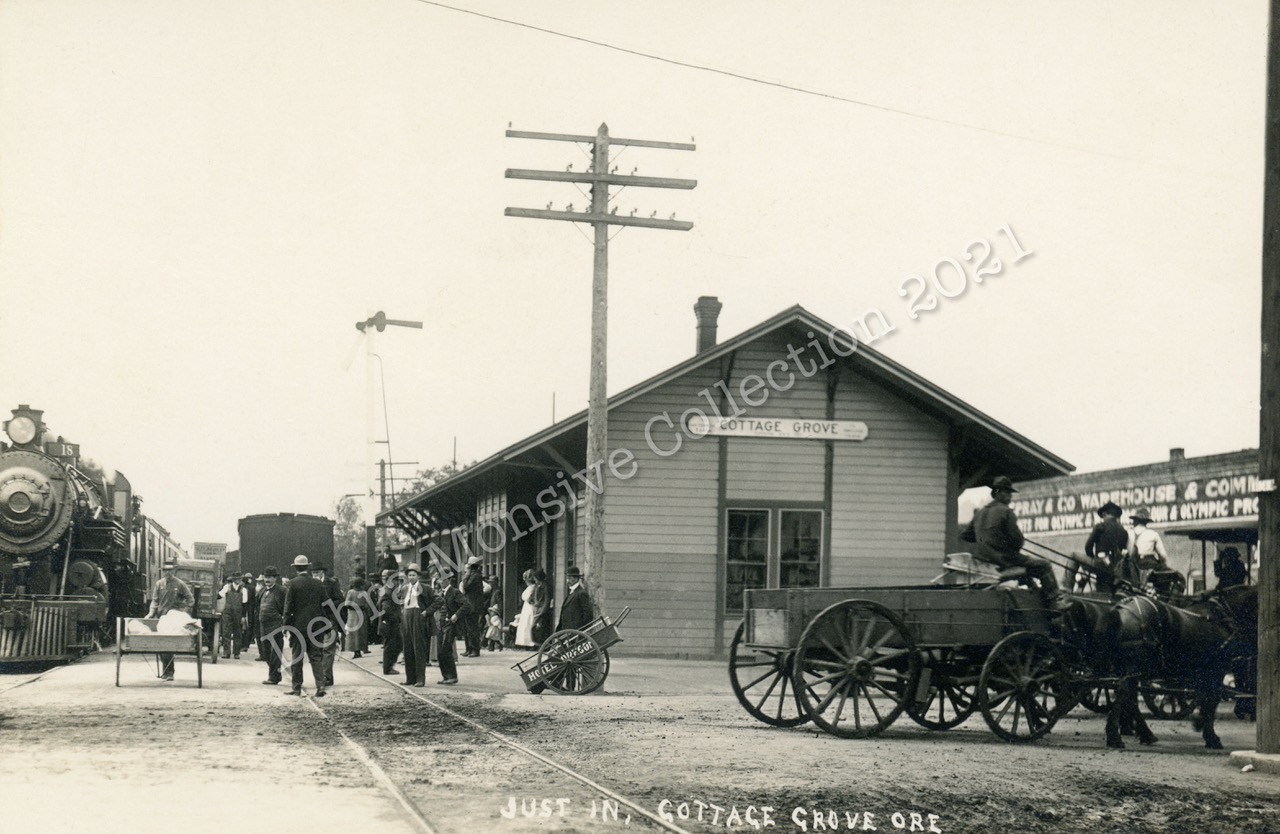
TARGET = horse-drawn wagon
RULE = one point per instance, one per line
(852, 660)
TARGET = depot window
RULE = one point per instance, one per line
(771, 547)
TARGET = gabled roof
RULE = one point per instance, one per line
(980, 437)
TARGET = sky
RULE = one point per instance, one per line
(198, 201)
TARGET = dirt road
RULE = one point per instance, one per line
(78, 754)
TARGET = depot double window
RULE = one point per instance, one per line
(771, 548)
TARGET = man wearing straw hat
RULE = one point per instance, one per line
(1147, 548)
(998, 540)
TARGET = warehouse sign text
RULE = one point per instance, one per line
(1182, 501)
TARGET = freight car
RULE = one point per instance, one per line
(66, 566)
(276, 538)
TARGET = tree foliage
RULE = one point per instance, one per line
(348, 517)
(428, 477)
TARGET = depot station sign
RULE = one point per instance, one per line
(1216, 501)
(786, 428)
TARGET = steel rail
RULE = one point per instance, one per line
(379, 775)
(533, 754)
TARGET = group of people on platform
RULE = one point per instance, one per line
(420, 617)
(1118, 558)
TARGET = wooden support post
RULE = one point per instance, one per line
(1269, 417)
(598, 400)
(601, 218)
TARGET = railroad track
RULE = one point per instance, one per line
(629, 812)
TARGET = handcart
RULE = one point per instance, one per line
(573, 661)
(151, 642)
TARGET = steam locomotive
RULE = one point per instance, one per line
(67, 565)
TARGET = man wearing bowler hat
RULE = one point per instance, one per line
(455, 611)
(1108, 543)
(270, 619)
(577, 610)
(997, 539)
(304, 613)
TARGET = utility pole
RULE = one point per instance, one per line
(1268, 703)
(376, 323)
(600, 178)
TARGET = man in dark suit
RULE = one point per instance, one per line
(389, 599)
(472, 623)
(270, 617)
(332, 610)
(577, 610)
(455, 612)
(304, 613)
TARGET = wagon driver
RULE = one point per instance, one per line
(170, 594)
(997, 539)
(1109, 543)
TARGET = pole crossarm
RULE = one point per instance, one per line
(635, 143)
(593, 177)
(611, 219)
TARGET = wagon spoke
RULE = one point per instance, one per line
(890, 655)
(757, 680)
(843, 655)
(782, 697)
(891, 695)
(884, 638)
(767, 693)
(855, 651)
(787, 712)
(844, 697)
(872, 703)
(830, 696)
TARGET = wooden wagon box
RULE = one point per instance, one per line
(936, 615)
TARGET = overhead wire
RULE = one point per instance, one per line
(821, 94)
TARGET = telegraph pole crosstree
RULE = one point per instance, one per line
(600, 178)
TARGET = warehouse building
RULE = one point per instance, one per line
(787, 456)
(1199, 506)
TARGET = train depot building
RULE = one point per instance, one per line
(786, 456)
(1199, 506)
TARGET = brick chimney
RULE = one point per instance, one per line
(1177, 454)
(708, 311)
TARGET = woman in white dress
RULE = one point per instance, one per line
(528, 613)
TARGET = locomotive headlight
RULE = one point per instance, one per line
(21, 430)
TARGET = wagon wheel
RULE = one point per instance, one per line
(573, 661)
(952, 691)
(761, 679)
(1024, 686)
(1168, 704)
(1098, 698)
(855, 669)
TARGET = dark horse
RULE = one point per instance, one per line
(1189, 647)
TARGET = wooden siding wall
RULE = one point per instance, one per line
(660, 534)
(889, 525)
(889, 495)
